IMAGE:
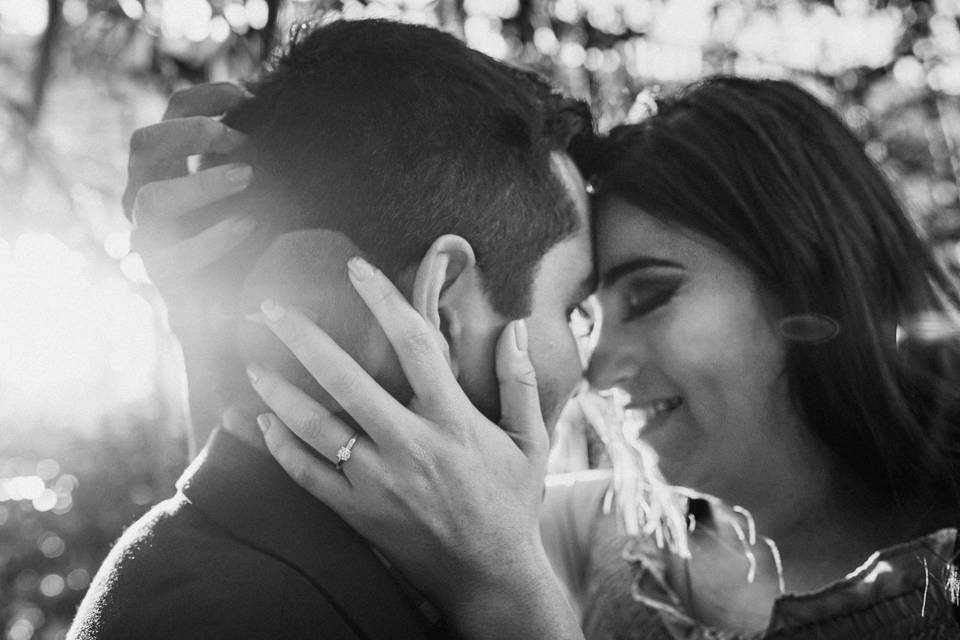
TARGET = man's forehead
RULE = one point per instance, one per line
(567, 267)
(582, 271)
(565, 168)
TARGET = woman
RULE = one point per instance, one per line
(759, 291)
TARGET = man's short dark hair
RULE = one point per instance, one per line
(395, 134)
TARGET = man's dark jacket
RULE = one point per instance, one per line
(243, 552)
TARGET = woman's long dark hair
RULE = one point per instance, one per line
(764, 169)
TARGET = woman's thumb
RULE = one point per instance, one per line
(520, 413)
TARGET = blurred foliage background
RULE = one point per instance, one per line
(92, 418)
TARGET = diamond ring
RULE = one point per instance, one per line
(344, 453)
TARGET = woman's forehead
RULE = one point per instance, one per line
(626, 232)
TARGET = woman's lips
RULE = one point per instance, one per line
(649, 413)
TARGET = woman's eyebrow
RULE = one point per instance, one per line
(644, 262)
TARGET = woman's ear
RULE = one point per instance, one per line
(448, 292)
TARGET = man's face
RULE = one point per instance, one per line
(563, 279)
(307, 269)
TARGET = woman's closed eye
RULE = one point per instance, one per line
(645, 297)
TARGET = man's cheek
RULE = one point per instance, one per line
(556, 380)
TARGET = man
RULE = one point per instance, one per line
(444, 168)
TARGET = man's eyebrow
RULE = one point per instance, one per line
(644, 262)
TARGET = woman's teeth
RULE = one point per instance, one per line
(653, 409)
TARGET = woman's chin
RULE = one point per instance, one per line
(674, 445)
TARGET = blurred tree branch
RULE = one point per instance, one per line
(44, 65)
(270, 31)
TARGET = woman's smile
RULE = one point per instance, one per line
(654, 413)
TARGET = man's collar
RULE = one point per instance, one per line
(248, 493)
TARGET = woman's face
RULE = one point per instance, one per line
(687, 333)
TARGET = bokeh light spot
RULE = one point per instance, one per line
(23, 17)
(48, 469)
(257, 13)
(46, 501)
(52, 585)
(141, 495)
(22, 629)
(52, 546)
(219, 29)
(132, 8)
(78, 579)
(75, 12)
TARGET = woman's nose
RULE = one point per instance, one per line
(611, 362)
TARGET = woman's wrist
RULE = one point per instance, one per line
(525, 600)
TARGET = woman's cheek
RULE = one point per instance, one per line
(692, 340)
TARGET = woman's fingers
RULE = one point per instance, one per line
(159, 201)
(171, 264)
(520, 413)
(309, 420)
(418, 345)
(210, 99)
(316, 476)
(336, 371)
(160, 151)
(168, 142)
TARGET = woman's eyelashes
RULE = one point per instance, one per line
(645, 295)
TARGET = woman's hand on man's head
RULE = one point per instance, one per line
(161, 190)
(449, 496)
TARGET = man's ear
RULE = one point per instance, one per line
(448, 292)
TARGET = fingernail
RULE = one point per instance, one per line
(243, 226)
(360, 269)
(257, 317)
(239, 175)
(520, 334)
(272, 310)
(234, 138)
(254, 373)
(263, 421)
